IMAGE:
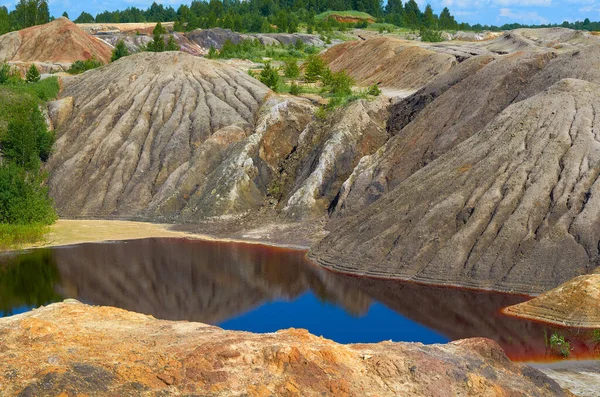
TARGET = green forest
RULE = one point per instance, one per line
(264, 15)
(25, 143)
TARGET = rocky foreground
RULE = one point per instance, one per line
(77, 349)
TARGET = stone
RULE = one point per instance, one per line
(103, 350)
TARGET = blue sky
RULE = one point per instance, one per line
(496, 12)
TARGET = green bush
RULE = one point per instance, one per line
(119, 51)
(33, 74)
(294, 89)
(374, 90)
(431, 36)
(78, 67)
(269, 77)
(212, 53)
(560, 345)
(339, 84)
(23, 197)
(315, 66)
(291, 69)
(4, 73)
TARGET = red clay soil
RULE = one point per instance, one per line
(59, 41)
(388, 62)
(342, 19)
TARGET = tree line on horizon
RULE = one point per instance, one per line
(262, 16)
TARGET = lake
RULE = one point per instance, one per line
(260, 288)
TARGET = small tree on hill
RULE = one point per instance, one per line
(172, 44)
(314, 68)
(120, 51)
(269, 77)
(291, 69)
(33, 74)
(65, 14)
(158, 42)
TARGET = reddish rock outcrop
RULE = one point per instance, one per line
(75, 349)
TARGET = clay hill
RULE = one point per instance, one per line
(573, 304)
(57, 43)
(388, 62)
(77, 349)
(511, 208)
(419, 236)
(181, 138)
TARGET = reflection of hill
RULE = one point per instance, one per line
(458, 313)
(192, 280)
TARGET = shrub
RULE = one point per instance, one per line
(432, 36)
(340, 84)
(314, 68)
(361, 25)
(23, 198)
(81, 66)
(172, 44)
(291, 69)
(560, 345)
(374, 90)
(294, 89)
(269, 77)
(212, 53)
(33, 74)
(4, 73)
(120, 51)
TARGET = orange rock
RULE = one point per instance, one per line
(108, 351)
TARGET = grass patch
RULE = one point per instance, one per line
(344, 14)
(14, 237)
(255, 51)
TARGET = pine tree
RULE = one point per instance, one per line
(314, 69)
(33, 74)
(120, 51)
(172, 44)
(447, 20)
(269, 77)
(429, 17)
(158, 42)
(412, 14)
(65, 14)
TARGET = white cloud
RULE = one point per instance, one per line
(527, 17)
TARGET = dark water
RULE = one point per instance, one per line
(263, 289)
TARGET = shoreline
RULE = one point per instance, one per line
(67, 232)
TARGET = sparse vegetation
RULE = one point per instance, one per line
(119, 51)
(78, 67)
(558, 344)
(254, 50)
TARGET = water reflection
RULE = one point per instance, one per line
(230, 283)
